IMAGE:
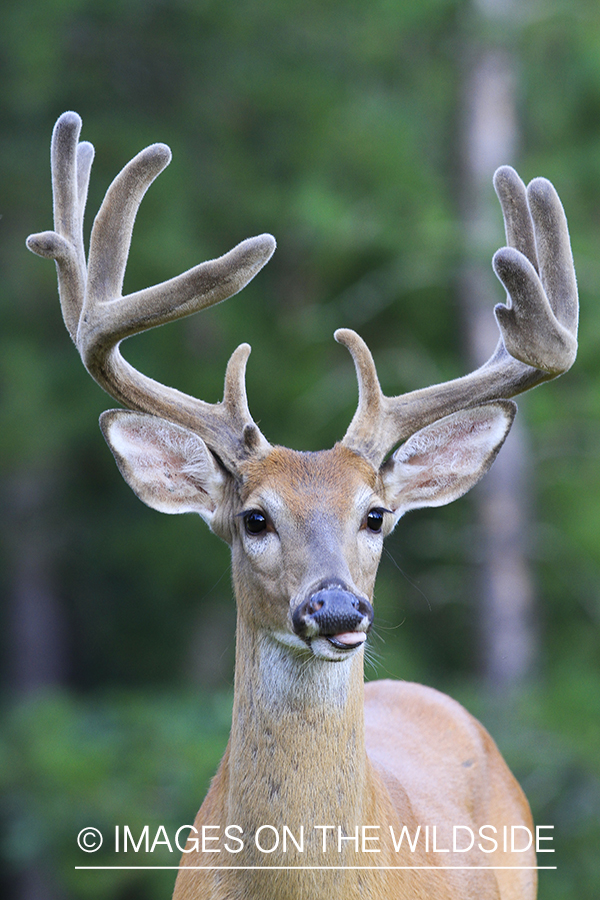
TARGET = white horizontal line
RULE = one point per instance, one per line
(301, 868)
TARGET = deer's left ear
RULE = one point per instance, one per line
(443, 461)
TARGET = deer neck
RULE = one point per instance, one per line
(297, 735)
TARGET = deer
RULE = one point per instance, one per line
(329, 786)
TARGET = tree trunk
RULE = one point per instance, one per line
(506, 595)
(35, 626)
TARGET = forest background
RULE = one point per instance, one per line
(364, 137)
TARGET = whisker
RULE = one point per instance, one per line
(412, 583)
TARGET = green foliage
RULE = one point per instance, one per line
(125, 759)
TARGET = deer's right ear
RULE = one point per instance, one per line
(170, 468)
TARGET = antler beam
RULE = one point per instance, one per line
(98, 317)
(538, 326)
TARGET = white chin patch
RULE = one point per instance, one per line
(336, 647)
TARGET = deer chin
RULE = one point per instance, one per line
(332, 647)
(337, 647)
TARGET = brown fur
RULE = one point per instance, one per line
(298, 754)
(329, 474)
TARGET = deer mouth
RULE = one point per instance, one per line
(348, 640)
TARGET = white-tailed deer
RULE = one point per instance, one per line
(329, 788)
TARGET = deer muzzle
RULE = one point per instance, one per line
(335, 613)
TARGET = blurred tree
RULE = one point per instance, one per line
(489, 138)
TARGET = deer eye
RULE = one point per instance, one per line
(375, 519)
(254, 522)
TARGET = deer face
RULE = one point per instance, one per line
(306, 546)
(306, 529)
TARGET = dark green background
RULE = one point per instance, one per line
(335, 126)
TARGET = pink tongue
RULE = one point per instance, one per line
(350, 637)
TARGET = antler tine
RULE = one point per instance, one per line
(366, 432)
(71, 166)
(538, 326)
(518, 224)
(113, 226)
(99, 318)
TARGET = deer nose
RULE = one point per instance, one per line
(335, 613)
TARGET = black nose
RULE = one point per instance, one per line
(332, 610)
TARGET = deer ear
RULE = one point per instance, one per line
(443, 461)
(170, 468)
